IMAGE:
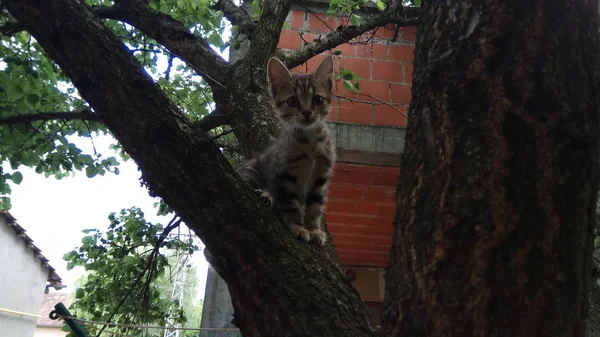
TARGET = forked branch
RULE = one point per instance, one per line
(268, 29)
(237, 16)
(173, 35)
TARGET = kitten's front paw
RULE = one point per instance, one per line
(300, 232)
(264, 196)
(317, 236)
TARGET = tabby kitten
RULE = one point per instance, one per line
(294, 172)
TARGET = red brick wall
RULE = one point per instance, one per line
(360, 210)
(385, 66)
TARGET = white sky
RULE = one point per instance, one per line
(54, 212)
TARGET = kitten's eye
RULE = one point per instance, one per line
(293, 102)
(317, 100)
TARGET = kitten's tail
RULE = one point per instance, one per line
(250, 173)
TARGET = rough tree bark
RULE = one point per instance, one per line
(499, 180)
(279, 286)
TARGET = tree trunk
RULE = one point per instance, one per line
(594, 311)
(497, 194)
(279, 286)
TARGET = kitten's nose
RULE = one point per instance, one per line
(306, 113)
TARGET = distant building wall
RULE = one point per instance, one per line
(47, 327)
(367, 283)
(22, 284)
(370, 284)
(49, 331)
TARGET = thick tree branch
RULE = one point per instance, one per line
(237, 16)
(271, 21)
(247, 99)
(48, 116)
(345, 34)
(112, 13)
(213, 120)
(173, 35)
(192, 176)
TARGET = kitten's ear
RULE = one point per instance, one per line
(279, 75)
(324, 72)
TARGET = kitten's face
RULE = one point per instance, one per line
(301, 99)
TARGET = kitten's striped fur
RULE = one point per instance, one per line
(296, 169)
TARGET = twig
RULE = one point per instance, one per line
(311, 12)
(172, 225)
(380, 101)
(91, 137)
(169, 66)
(222, 134)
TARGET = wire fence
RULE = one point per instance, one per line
(85, 328)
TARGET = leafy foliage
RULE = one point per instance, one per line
(31, 83)
(350, 80)
(127, 274)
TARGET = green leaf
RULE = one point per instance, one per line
(112, 161)
(17, 178)
(70, 255)
(355, 20)
(337, 52)
(215, 39)
(348, 76)
(348, 86)
(91, 171)
(14, 91)
(381, 5)
(5, 203)
(79, 293)
(32, 100)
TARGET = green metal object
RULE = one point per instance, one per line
(61, 310)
